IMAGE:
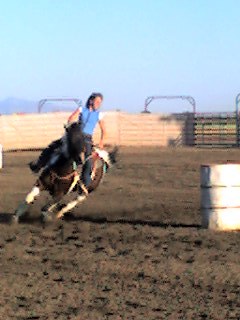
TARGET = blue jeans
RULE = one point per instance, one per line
(87, 167)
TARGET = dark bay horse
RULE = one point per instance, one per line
(62, 176)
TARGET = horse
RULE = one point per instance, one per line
(62, 176)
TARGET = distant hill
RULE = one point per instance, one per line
(15, 105)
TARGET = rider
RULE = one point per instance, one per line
(88, 116)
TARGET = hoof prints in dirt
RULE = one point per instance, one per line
(126, 265)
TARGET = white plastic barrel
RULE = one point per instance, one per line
(220, 196)
(1, 156)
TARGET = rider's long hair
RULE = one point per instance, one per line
(92, 97)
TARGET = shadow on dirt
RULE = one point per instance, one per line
(100, 220)
(6, 218)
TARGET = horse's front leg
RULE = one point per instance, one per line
(71, 205)
(22, 208)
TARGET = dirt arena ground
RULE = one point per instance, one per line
(134, 250)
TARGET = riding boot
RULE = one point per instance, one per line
(45, 156)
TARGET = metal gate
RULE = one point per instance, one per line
(216, 129)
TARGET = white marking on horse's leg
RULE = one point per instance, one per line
(22, 208)
(32, 195)
(70, 206)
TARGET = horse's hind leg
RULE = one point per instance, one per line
(22, 208)
(70, 206)
(49, 208)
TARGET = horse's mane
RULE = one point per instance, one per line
(73, 146)
(75, 140)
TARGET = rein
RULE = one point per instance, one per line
(54, 175)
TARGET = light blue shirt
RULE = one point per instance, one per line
(89, 119)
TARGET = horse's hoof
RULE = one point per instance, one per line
(15, 219)
(46, 217)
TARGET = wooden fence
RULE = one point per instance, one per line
(35, 131)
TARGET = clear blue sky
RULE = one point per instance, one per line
(126, 49)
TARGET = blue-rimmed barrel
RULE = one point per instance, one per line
(220, 196)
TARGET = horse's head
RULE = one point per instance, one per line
(75, 140)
